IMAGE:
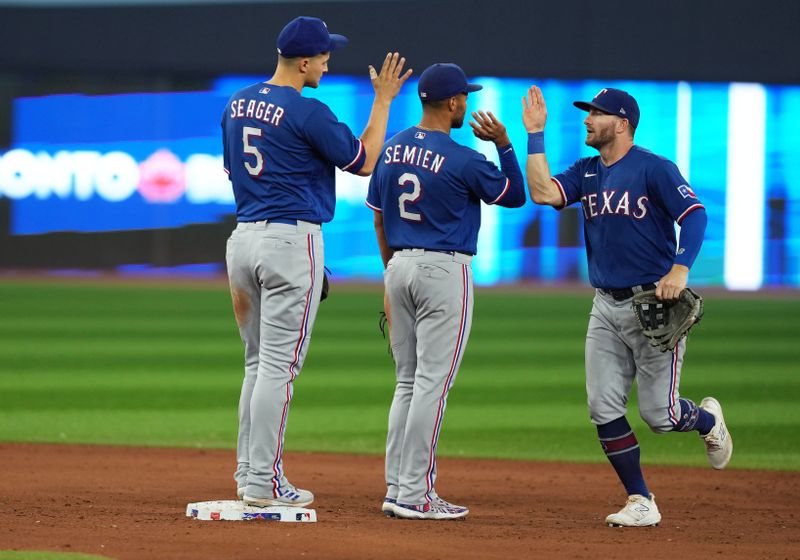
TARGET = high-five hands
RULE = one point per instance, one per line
(487, 127)
(387, 84)
(534, 110)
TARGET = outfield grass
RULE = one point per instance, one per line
(161, 365)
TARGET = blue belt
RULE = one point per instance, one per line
(627, 293)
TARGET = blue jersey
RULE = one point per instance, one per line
(629, 212)
(280, 152)
(429, 189)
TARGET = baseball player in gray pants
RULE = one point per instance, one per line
(631, 200)
(280, 150)
(426, 193)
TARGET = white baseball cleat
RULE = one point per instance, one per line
(719, 443)
(388, 507)
(638, 512)
(437, 509)
(240, 492)
(290, 496)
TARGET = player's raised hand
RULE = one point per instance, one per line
(387, 84)
(534, 110)
(488, 127)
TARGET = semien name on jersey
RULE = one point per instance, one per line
(260, 110)
(414, 155)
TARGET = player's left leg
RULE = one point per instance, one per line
(403, 338)
(246, 299)
(442, 287)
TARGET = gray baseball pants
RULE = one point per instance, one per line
(431, 300)
(617, 353)
(275, 272)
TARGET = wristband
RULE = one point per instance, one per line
(536, 143)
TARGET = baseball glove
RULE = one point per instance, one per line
(383, 325)
(666, 322)
(325, 285)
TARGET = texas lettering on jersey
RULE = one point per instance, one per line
(630, 209)
(610, 202)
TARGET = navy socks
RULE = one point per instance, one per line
(620, 446)
(694, 418)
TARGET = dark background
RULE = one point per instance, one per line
(715, 40)
(95, 50)
(45, 50)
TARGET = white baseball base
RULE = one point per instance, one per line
(233, 510)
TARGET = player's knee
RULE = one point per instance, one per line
(601, 412)
(656, 420)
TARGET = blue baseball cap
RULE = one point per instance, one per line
(614, 102)
(307, 36)
(443, 80)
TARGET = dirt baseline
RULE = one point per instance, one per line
(125, 502)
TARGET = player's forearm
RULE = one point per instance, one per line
(515, 195)
(374, 134)
(693, 228)
(380, 235)
(540, 185)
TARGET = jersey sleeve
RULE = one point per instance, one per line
(485, 179)
(668, 185)
(374, 193)
(226, 164)
(334, 140)
(569, 183)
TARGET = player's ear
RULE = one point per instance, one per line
(452, 103)
(302, 65)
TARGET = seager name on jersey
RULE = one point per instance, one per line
(260, 110)
(414, 155)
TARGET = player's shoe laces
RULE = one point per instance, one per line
(638, 512)
(388, 507)
(290, 496)
(719, 443)
(436, 509)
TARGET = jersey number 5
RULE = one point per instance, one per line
(247, 132)
(409, 197)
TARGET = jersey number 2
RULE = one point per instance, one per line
(247, 132)
(409, 197)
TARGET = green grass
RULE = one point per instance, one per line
(161, 365)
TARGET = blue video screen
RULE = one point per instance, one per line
(83, 163)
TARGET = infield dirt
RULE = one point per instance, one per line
(124, 502)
